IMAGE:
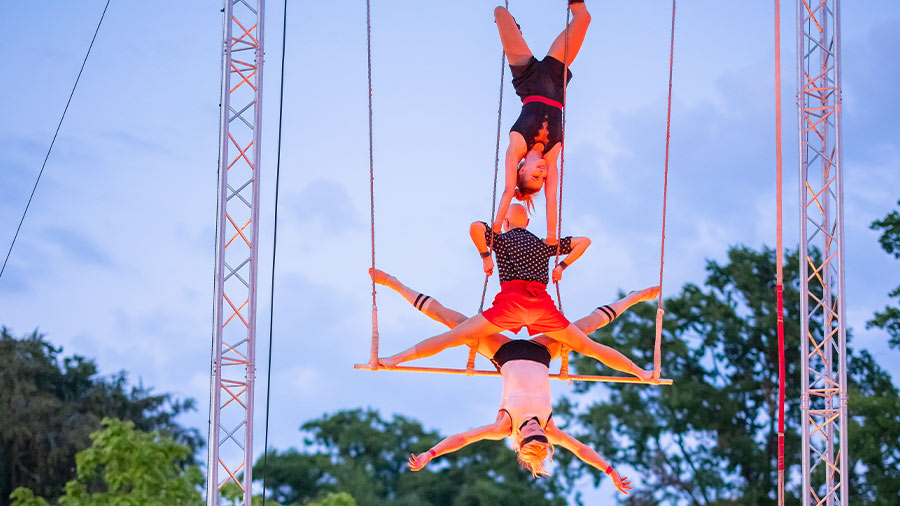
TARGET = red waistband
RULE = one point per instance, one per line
(533, 288)
(543, 100)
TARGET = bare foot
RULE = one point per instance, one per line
(646, 294)
(645, 375)
(380, 277)
(388, 361)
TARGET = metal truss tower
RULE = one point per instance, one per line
(233, 356)
(824, 395)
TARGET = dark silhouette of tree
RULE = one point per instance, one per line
(360, 453)
(889, 319)
(710, 439)
(51, 404)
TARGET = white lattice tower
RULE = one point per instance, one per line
(824, 382)
(234, 322)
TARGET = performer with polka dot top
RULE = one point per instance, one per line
(523, 300)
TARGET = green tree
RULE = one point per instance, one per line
(125, 466)
(336, 499)
(51, 404)
(360, 453)
(711, 438)
(889, 319)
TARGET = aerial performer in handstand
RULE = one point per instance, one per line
(523, 300)
(535, 140)
(525, 411)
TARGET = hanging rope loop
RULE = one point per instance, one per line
(373, 354)
(657, 349)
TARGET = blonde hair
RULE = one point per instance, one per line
(523, 193)
(532, 456)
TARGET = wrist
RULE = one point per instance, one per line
(563, 264)
(431, 453)
(609, 470)
(485, 254)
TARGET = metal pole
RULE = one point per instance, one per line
(842, 337)
(234, 353)
(824, 382)
(803, 267)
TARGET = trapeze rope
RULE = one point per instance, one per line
(779, 255)
(373, 355)
(496, 168)
(473, 350)
(657, 350)
(274, 250)
(564, 350)
(53, 141)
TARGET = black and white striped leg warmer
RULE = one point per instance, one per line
(609, 312)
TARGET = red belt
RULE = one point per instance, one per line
(543, 100)
(532, 288)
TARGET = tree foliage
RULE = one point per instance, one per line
(711, 438)
(124, 467)
(889, 318)
(360, 453)
(51, 404)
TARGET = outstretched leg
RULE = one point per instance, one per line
(601, 317)
(424, 303)
(574, 338)
(517, 51)
(577, 29)
(605, 314)
(468, 332)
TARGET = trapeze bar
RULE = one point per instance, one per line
(463, 372)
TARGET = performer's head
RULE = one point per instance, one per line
(533, 448)
(531, 176)
(516, 217)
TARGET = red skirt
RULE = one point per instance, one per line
(525, 304)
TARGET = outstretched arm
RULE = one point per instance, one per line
(551, 187)
(495, 431)
(579, 245)
(587, 455)
(477, 232)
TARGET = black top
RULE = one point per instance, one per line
(540, 77)
(522, 255)
(521, 349)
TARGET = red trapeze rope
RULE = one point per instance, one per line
(373, 354)
(779, 255)
(657, 350)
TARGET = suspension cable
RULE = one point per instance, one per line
(657, 350)
(564, 350)
(373, 355)
(490, 243)
(53, 141)
(274, 251)
(779, 256)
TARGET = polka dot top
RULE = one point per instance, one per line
(522, 255)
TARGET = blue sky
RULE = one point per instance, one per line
(115, 259)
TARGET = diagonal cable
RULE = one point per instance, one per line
(274, 251)
(53, 141)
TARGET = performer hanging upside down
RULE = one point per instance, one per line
(535, 139)
(523, 300)
(525, 411)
